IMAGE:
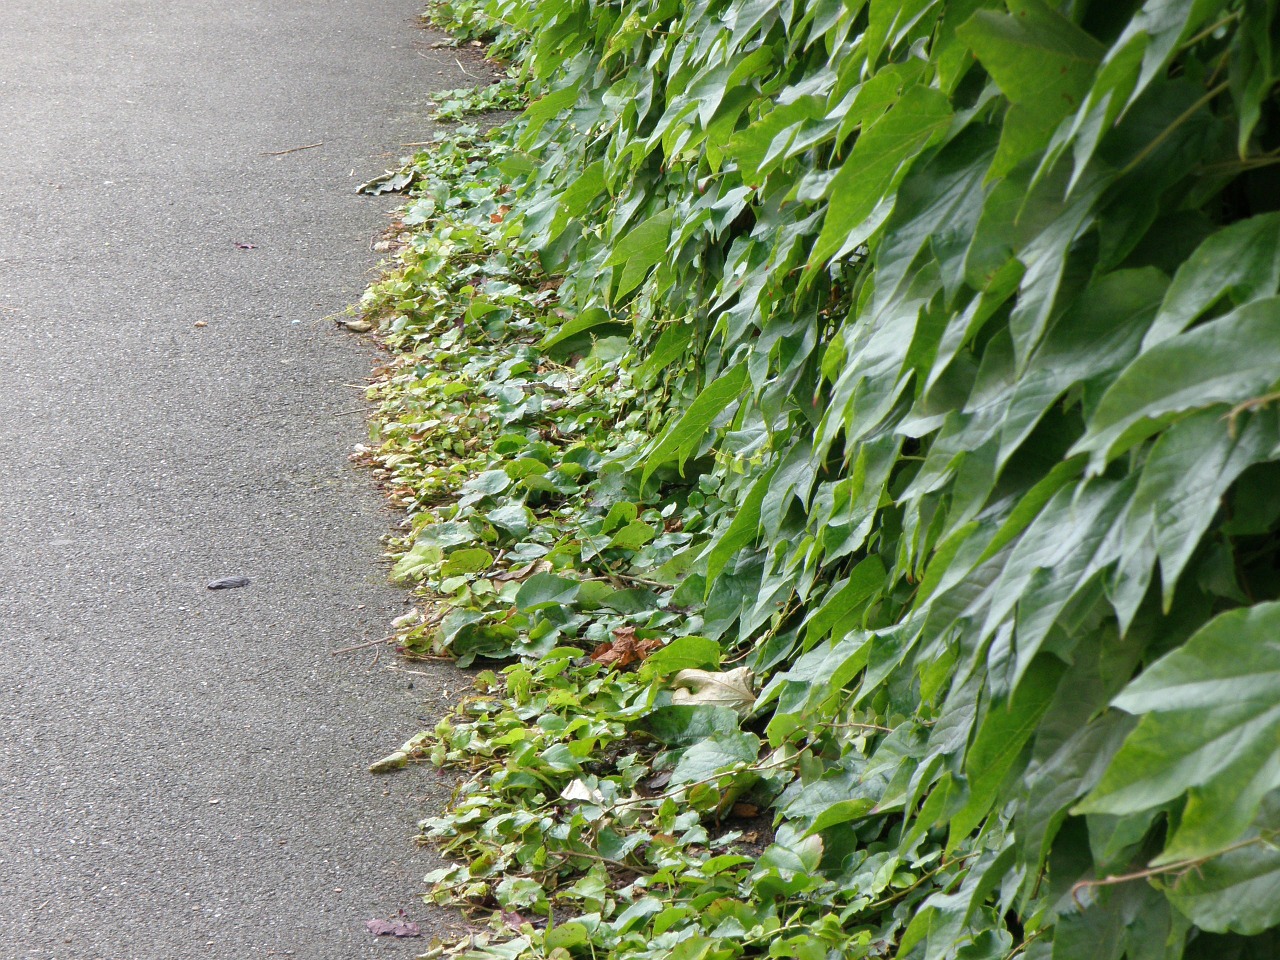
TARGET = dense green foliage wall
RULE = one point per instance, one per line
(973, 311)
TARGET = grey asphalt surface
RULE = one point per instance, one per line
(182, 771)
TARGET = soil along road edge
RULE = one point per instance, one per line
(182, 771)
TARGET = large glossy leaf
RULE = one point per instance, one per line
(681, 439)
(1008, 726)
(1135, 58)
(1088, 345)
(1189, 469)
(1226, 361)
(1128, 921)
(1241, 261)
(1255, 71)
(546, 108)
(938, 205)
(861, 191)
(1059, 556)
(578, 197)
(1210, 723)
(641, 249)
(743, 528)
(892, 20)
(1238, 892)
(751, 146)
(840, 609)
(943, 918)
(1042, 62)
(1045, 258)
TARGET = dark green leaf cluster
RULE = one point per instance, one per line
(969, 313)
(454, 105)
(495, 424)
(627, 800)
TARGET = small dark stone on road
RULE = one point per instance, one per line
(227, 583)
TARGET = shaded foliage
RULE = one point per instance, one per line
(967, 313)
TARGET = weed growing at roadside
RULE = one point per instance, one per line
(603, 804)
(455, 105)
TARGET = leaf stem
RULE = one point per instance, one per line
(575, 854)
(1168, 131)
(1241, 166)
(1021, 948)
(851, 725)
(1210, 30)
(614, 575)
(1178, 866)
(1249, 406)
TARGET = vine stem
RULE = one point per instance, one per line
(1219, 66)
(1022, 947)
(754, 768)
(615, 576)
(1167, 132)
(1248, 406)
(572, 854)
(1178, 866)
(787, 927)
(1210, 30)
(1242, 166)
(924, 878)
(364, 644)
(851, 725)
(715, 778)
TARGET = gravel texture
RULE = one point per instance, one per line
(182, 771)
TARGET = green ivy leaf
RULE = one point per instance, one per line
(1238, 892)
(861, 192)
(546, 589)
(1229, 360)
(471, 560)
(717, 754)
(633, 536)
(681, 439)
(1210, 723)
(682, 653)
(682, 725)
(640, 250)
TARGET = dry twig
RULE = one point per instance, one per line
(281, 153)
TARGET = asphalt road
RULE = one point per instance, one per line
(182, 771)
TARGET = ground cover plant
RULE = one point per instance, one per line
(857, 422)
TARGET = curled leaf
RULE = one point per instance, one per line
(581, 792)
(734, 689)
(400, 758)
(624, 649)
